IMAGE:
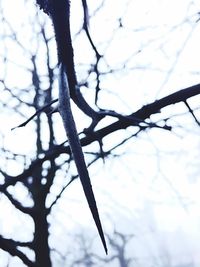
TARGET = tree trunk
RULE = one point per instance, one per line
(41, 246)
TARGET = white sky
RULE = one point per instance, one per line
(155, 170)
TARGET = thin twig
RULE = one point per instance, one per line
(191, 111)
(35, 114)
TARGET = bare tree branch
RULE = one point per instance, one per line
(17, 204)
(10, 246)
(192, 112)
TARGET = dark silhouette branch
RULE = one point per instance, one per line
(10, 246)
(85, 13)
(59, 12)
(35, 114)
(144, 113)
(174, 98)
(192, 113)
(17, 204)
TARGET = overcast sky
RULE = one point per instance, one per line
(154, 172)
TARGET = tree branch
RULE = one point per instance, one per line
(35, 114)
(192, 113)
(10, 246)
(18, 205)
(90, 137)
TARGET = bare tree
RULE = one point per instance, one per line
(28, 81)
(118, 244)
